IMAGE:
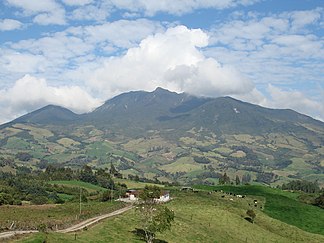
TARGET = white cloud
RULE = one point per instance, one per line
(30, 93)
(77, 2)
(295, 100)
(91, 13)
(172, 60)
(10, 24)
(65, 55)
(121, 33)
(302, 18)
(46, 11)
(177, 7)
(21, 62)
(53, 17)
(269, 49)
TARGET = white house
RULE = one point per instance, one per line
(133, 195)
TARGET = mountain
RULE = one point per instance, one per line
(173, 137)
(50, 114)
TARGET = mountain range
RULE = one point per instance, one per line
(172, 137)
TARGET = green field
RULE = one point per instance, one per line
(135, 184)
(282, 205)
(199, 217)
(88, 186)
(60, 215)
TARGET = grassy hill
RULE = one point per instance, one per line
(199, 217)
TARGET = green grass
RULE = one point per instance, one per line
(199, 217)
(282, 205)
(62, 215)
(88, 186)
(135, 184)
(99, 149)
(17, 143)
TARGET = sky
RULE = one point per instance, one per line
(80, 53)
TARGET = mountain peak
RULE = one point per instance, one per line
(50, 114)
(160, 90)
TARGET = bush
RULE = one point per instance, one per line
(6, 198)
(251, 214)
(39, 200)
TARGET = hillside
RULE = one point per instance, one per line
(171, 137)
(205, 217)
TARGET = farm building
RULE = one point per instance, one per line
(133, 195)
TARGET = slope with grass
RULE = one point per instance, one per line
(282, 205)
(199, 217)
(54, 216)
(87, 186)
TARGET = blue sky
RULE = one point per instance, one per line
(79, 53)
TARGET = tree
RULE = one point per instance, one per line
(319, 201)
(237, 180)
(87, 175)
(155, 217)
(246, 178)
(224, 179)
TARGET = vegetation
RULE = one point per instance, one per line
(302, 185)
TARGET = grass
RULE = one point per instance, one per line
(88, 186)
(62, 215)
(283, 206)
(99, 149)
(17, 144)
(184, 164)
(199, 217)
(135, 184)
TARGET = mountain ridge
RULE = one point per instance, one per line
(175, 137)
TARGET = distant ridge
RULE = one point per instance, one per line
(50, 114)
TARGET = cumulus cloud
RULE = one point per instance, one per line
(172, 60)
(9, 24)
(30, 93)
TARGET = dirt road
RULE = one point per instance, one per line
(9, 234)
(94, 220)
(79, 226)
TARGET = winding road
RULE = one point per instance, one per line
(76, 227)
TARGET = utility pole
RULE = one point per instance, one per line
(80, 201)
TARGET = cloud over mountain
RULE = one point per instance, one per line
(172, 60)
(30, 93)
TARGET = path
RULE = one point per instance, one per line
(94, 220)
(79, 226)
